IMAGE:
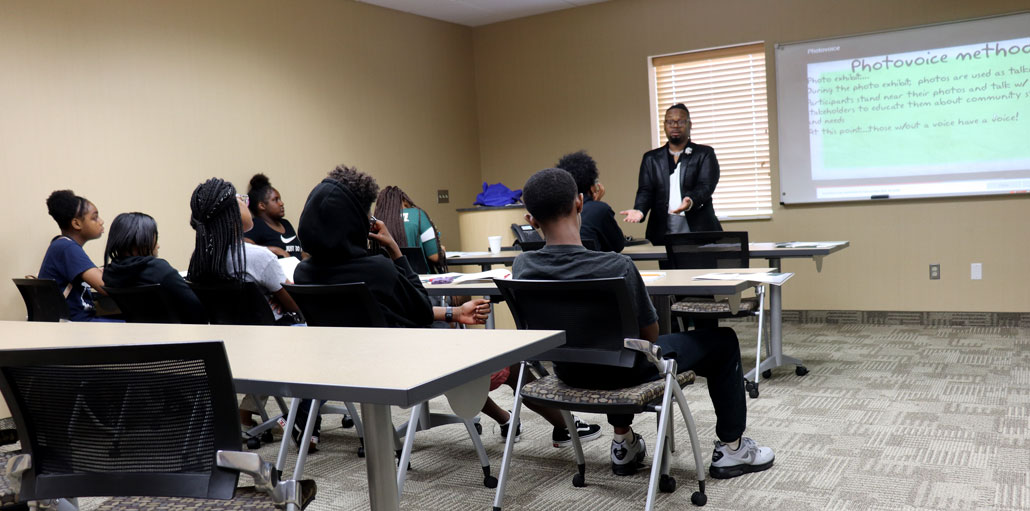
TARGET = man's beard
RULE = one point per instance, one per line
(677, 140)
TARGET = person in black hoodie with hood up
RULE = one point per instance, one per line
(130, 260)
(335, 228)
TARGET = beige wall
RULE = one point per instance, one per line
(132, 104)
(577, 79)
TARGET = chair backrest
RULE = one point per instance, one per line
(704, 250)
(338, 305)
(144, 304)
(43, 299)
(596, 314)
(234, 303)
(131, 420)
(417, 259)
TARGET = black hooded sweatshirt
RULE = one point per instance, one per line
(333, 228)
(135, 271)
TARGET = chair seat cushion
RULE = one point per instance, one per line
(246, 499)
(554, 392)
(710, 306)
(7, 496)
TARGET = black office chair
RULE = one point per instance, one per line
(144, 304)
(417, 259)
(716, 250)
(352, 305)
(242, 303)
(155, 424)
(600, 328)
(234, 303)
(43, 300)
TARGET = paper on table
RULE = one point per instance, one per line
(289, 265)
(651, 276)
(774, 278)
(458, 278)
(459, 255)
(808, 244)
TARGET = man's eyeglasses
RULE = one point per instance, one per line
(244, 198)
(670, 122)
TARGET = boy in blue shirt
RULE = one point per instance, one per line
(554, 206)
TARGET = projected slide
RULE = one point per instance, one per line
(925, 120)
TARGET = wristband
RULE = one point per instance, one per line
(448, 315)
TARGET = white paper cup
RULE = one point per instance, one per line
(495, 244)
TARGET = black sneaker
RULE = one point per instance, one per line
(506, 425)
(628, 456)
(560, 436)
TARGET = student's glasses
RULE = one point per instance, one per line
(244, 198)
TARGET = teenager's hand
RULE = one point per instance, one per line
(473, 312)
(633, 216)
(380, 233)
(597, 190)
(684, 206)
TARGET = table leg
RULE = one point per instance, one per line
(663, 306)
(382, 473)
(776, 357)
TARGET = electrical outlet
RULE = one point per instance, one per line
(935, 272)
(976, 271)
(443, 197)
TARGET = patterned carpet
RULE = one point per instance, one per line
(890, 417)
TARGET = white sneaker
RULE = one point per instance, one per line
(628, 455)
(749, 457)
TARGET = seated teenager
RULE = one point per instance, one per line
(599, 222)
(130, 260)
(554, 205)
(400, 214)
(65, 261)
(336, 225)
(271, 228)
(220, 216)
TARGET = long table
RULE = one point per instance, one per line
(772, 252)
(373, 366)
(672, 282)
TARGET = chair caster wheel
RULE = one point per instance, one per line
(753, 392)
(698, 499)
(666, 484)
(253, 443)
(800, 370)
(579, 480)
(347, 422)
(767, 373)
(479, 428)
(490, 482)
(267, 437)
(361, 451)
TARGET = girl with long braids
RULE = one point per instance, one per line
(271, 228)
(220, 216)
(65, 260)
(402, 215)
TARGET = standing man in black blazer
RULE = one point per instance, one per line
(688, 206)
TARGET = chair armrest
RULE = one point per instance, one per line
(653, 352)
(266, 478)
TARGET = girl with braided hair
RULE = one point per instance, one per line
(220, 217)
(400, 214)
(271, 228)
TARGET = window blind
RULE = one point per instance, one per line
(725, 92)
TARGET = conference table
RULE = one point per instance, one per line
(660, 284)
(772, 252)
(377, 367)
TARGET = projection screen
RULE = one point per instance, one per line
(932, 111)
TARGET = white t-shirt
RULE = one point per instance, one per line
(675, 196)
(263, 269)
